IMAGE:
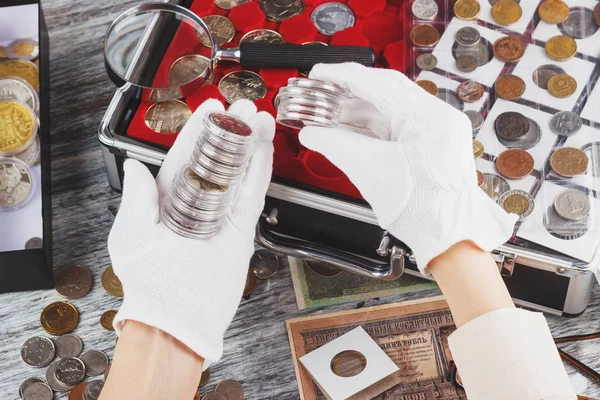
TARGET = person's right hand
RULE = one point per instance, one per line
(410, 156)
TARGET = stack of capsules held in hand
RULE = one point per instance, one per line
(202, 192)
(310, 102)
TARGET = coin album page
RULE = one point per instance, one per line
(21, 224)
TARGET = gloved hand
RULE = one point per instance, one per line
(188, 288)
(410, 156)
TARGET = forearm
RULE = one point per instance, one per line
(150, 364)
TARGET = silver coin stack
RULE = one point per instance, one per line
(310, 102)
(202, 192)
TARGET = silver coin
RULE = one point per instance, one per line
(426, 62)
(23, 49)
(580, 24)
(468, 36)
(530, 202)
(70, 371)
(38, 391)
(511, 125)
(451, 97)
(425, 9)
(54, 383)
(563, 228)
(467, 63)
(476, 119)
(233, 390)
(68, 346)
(16, 183)
(262, 36)
(92, 390)
(31, 155)
(333, 17)
(95, 362)
(17, 89)
(494, 185)
(38, 351)
(572, 204)
(525, 142)
(566, 123)
(26, 383)
(264, 263)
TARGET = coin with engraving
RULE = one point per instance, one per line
(38, 391)
(429, 86)
(506, 12)
(470, 91)
(111, 282)
(26, 383)
(468, 36)
(542, 75)
(509, 87)
(250, 284)
(77, 392)
(451, 97)
(59, 318)
(561, 47)
(70, 371)
(17, 89)
(425, 9)
(572, 204)
(242, 85)
(517, 202)
(514, 163)
(332, 17)
(554, 11)
(229, 4)
(68, 346)
(204, 378)
(508, 49)
(106, 320)
(511, 125)
(23, 69)
(188, 68)
(95, 362)
(348, 363)
(23, 49)
(262, 36)
(426, 62)
(92, 390)
(264, 263)
(279, 10)
(525, 142)
(38, 351)
(596, 14)
(562, 86)
(16, 184)
(233, 390)
(494, 186)
(425, 35)
(73, 282)
(304, 72)
(18, 127)
(476, 119)
(566, 123)
(477, 149)
(54, 383)
(214, 396)
(580, 24)
(221, 28)
(466, 63)
(467, 10)
(168, 117)
(480, 179)
(569, 162)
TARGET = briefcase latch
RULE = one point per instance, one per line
(396, 255)
(506, 262)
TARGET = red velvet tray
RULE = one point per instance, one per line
(380, 24)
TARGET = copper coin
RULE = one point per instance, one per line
(477, 149)
(59, 318)
(111, 283)
(470, 91)
(250, 283)
(569, 162)
(508, 49)
(467, 63)
(509, 87)
(429, 86)
(107, 319)
(73, 282)
(554, 11)
(506, 12)
(562, 86)
(221, 28)
(514, 163)
(480, 179)
(425, 35)
(597, 14)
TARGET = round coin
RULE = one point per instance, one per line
(429, 86)
(426, 61)
(215, 396)
(348, 363)
(68, 346)
(95, 362)
(554, 11)
(561, 47)
(514, 163)
(279, 10)
(563, 228)
(54, 383)
(188, 68)
(467, 63)
(333, 17)
(38, 351)
(476, 119)
(569, 162)
(106, 320)
(467, 10)
(525, 142)
(470, 91)
(233, 390)
(73, 282)
(542, 75)
(16, 183)
(23, 49)
(508, 49)
(580, 24)
(229, 4)
(477, 149)
(59, 318)
(168, 117)
(596, 14)
(242, 85)
(23, 69)
(509, 87)
(562, 86)
(424, 35)
(70, 371)
(250, 284)
(517, 202)
(264, 264)
(262, 36)
(221, 28)
(572, 204)
(425, 9)
(204, 378)
(480, 179)
(17, 89)
(92, 390)
(27, 382)
(566, 123)
(18, 127)
(468, 36)
(111, 283)
(38, 391)
(511, 125)
(77, 392)
(506, 12)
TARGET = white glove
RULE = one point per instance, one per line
(410, 156)
(188, 288)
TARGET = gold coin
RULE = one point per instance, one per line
(506, 12)
(17, 127)
(111, 283)
(554, 11)
(569, 162)
(516, 204)
(229, 4)
(562, 86)
(106, 320)
(509, 87)
(2, 52)
(23, 69)
(23, 49)
(429, 86)
(167, 117)
(59, 318)
(561, 47)
(477, 149)
(221, 27)
(467, 10)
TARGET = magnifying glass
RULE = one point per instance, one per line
(170, 52)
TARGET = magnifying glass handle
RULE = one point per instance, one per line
(302, 57)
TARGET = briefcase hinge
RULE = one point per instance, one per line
(506, 262)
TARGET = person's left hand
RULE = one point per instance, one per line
(188, 288)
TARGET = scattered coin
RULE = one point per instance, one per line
(596, 14)
(229, 4)
(468, 36)
(54, 383)
(111, 283)
(511, 125)
(34, 243)
(542, 75)
(17, 89)
(476, 119)
(580, 24)
(68, 346)
(250, 284)
(477, 149)
(332, 17)
(508, 49)
(348, 363)
(92, 390)
(77, 392)
(425, 35)
(426, 61)
(37, 351)
(277, 11)
(470, 91)
(38, 391)
(95, 362)
(480, 179)
(107, 371)
(221, 28)
(566, 123)
(564, 228)
(188, 68)
(17, 186)
(451, 97)
(70, 371)
(106, 320)
(467, 10)
(506, 12)
(561, 47)
(168, 117)
(242, 85)
(322, 269)
(509, 87)
(233, 390)
(215, 396)
(467, 63)
(514, 163)
(59, 318)
(429, 86)
(204, 378)
(262, 36)
(572, 204)
(494, 186)
(73, 282)
(554, 11)
(517, 202)
(569, 162)
(27, 382)
(425, 9)
(562, 86)
(264, 263)
(18, 127)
